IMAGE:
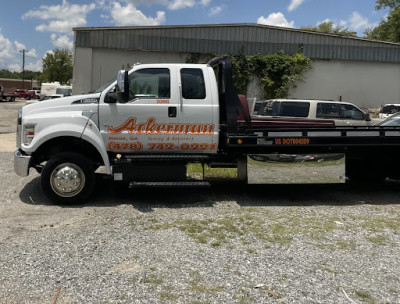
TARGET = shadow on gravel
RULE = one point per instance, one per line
(107, 193)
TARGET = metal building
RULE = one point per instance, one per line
(355, 69)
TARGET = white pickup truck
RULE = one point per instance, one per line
(314, 112)
(146, 125)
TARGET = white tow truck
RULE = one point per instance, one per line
(146, 125)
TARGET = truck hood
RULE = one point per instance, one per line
(70, 103)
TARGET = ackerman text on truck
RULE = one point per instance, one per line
(146, 125)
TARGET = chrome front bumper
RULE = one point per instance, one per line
(21, 163)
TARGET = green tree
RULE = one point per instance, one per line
(276, 72)
(57, 66)
(18, 75)
(330, 28)
(389, 27)
(381, 4)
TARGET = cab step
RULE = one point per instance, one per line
(180, 184)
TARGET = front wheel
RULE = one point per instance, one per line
(68, 178)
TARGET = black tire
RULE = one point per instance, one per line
(68, 178)
(28, 97)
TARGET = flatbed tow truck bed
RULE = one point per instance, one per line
(303, 140)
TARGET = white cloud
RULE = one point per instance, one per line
(171, 4)
(276, 19)
(62, 26)
(140, 2)
(14, 67)
(32, 53)
(180, 4)
(358, 22)
(6, 48)
(294, 4)
(36, 66)
(205, 2)
(62, 42)
(48, 52)
(62, 18)
(10, 53)
(19, 46)
(215, 10)
(129, 15)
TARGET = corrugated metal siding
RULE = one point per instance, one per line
(251, 38)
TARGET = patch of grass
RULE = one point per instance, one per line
(252, 224)
(280, 239)
(214, 231)
(277, 229)
(152, 279)
(197, 287)
(327, 269)
(196, 171)
(346, 245)
(379, 240)
(379, 224)
(160, 226)
(365, 297)
(298, 164)
(252, 251)
(153, 220)
(168, 296)
(196, 284)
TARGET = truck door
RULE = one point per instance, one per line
(145, 122)
(198, 110)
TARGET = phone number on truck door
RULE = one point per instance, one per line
(172, 146)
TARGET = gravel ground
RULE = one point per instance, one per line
(299, 243)
(226, 244)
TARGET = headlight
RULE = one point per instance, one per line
(29, 134)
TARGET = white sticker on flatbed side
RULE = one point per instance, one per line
(264, 142)
(118, 176)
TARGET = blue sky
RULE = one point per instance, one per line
(40, 26)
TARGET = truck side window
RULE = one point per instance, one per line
(269, 108)
(351, 112)
(193, 86)
(294, 109)
(328, 110)
(149, 83)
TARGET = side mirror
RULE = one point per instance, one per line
(123, 86)
(367, 117)
(111, 97)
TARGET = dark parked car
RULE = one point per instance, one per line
(391, 121)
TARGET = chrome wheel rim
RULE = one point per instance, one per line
(67, 180)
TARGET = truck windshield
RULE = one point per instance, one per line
(103, 87)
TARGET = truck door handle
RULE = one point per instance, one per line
(171, 111)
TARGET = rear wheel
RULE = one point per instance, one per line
(68, 178)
